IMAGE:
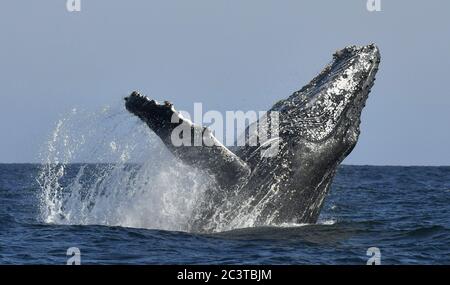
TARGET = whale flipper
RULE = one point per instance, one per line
(199, 149)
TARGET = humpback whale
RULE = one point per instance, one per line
(319, 126)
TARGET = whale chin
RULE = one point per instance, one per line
(319, 126)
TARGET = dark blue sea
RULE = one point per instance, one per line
(403, 211)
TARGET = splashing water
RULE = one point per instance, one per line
(134, 182)
(131, 180)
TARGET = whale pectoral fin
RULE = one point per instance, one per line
(191, 143)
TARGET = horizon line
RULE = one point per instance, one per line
(138, 162)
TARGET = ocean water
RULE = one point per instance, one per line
(44, 210)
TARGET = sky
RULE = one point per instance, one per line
(228, 55)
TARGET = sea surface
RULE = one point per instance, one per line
(402, 211)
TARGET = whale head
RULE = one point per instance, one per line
(325, 114)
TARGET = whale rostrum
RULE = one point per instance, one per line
(318, 126)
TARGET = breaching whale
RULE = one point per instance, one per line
(318, 128)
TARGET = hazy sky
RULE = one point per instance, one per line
(229, 55)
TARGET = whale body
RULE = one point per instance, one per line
(318, 126)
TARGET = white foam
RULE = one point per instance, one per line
(159, 193)
(327, 222)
